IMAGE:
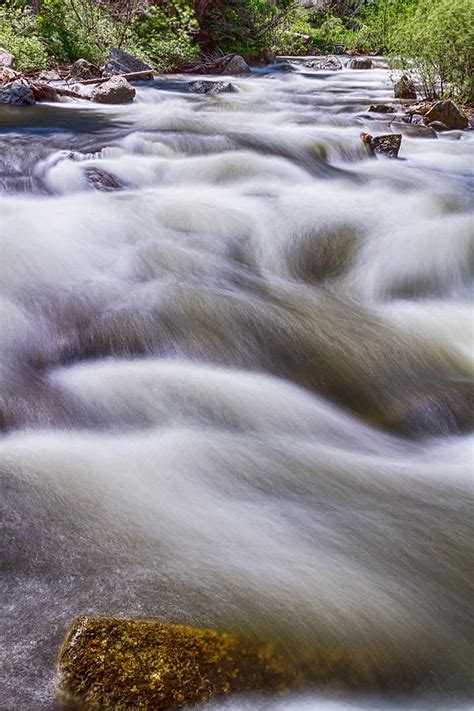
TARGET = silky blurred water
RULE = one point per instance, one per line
(235, 380)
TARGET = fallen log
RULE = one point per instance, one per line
(131, 76)
(46, 92)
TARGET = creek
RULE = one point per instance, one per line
(235, 371)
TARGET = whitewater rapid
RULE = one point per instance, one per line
(235, 382)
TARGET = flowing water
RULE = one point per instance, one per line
(235, 371)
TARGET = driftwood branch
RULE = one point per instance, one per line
(46, 92)
(131, 76)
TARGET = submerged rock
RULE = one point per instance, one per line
(416, 130)
(361, 63)
(237, 65)
(121, 62)
(382, 109)
(18, 93)
(404, 88)
(447, 113)
(109, 663)
(115, 91)
(210, 87)
(100, 179)
(329, 63)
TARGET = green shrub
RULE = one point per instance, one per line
(332, 34)
(377, 26)
(78, 28)
(165, 35)
(19, 35)
(249, 27)
(293, 33)
(372, 28)
(435, 46)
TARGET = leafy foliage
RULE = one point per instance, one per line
(165, 34)
(18, 36)
(431, 40)
(435, 45)
(77, 28)
(249, 27)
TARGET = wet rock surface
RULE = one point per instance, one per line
(415, 130)
(109, 663)
(330, 63)
(388, 146)
(100, 179)
(115, 91)
(382, 109)
(210, 87)
(361, 63)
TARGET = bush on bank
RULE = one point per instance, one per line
(430, 39)
(167, 34)
(65, 30)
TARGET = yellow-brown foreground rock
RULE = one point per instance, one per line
(109, 663)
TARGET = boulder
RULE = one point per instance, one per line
(404, 89)
(388, 145)
(236, 65)
(18, 93)
(116, 90)
(361, 63)
(82, 69)
(109, 663)
(448, 113)
(49, 75)
(329, 63)
(121, 62)
(6, 59)
(210, 87)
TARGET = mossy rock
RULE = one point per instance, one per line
(109, 663)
